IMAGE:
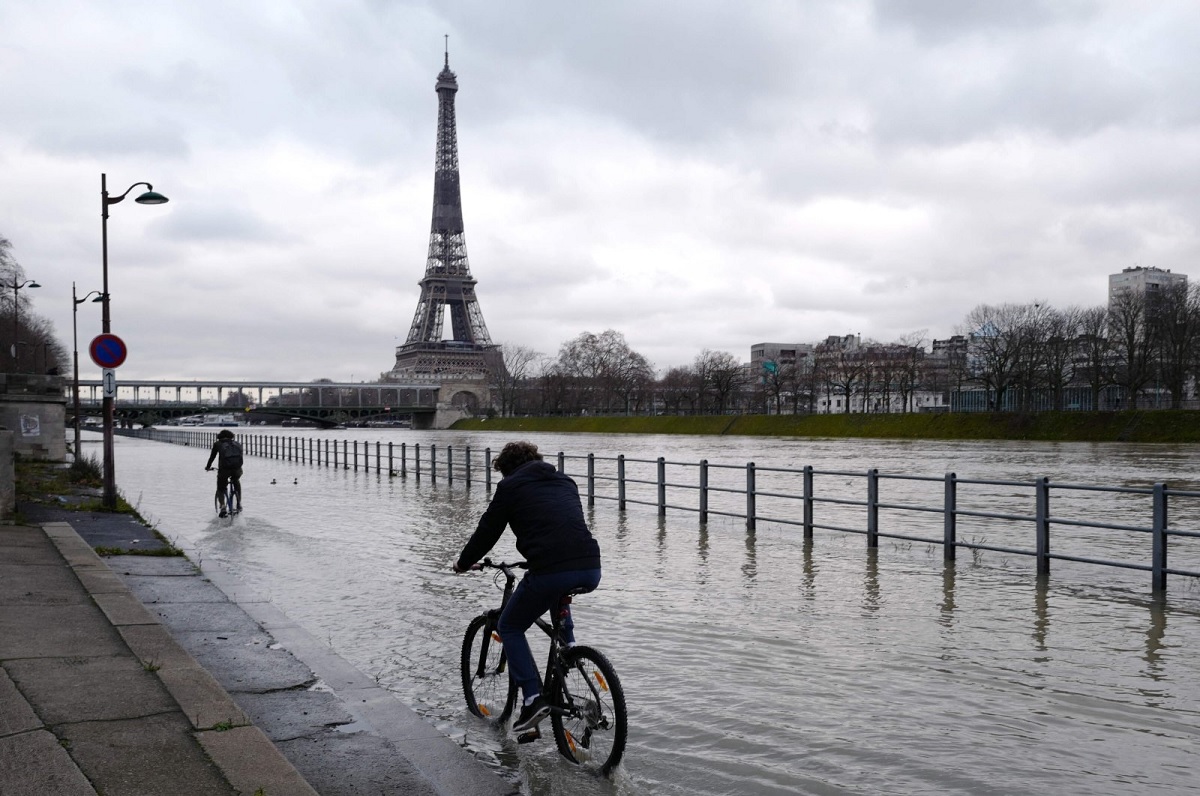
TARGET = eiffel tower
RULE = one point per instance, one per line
(470, 354)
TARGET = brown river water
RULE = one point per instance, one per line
(754, 663)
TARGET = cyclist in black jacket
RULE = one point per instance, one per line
(542, 506)
(227, 452)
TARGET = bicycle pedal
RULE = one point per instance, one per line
(529, 737)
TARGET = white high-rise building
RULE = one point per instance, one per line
(1150, 281)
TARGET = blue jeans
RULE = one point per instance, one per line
(534, 596)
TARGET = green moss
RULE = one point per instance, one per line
(1144, 426)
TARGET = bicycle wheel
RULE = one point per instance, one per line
(490, 692)
(592, 727)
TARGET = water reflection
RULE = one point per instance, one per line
(947, 604)
(809, 568)
(871, 590)
(1041, 610)
(750, 565)
(1154, 639)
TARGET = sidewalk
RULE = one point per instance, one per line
(138, 674)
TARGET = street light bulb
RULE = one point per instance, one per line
(151, 198)
(33, 284)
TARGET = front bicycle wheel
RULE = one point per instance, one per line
(490, 692)
(592, 726)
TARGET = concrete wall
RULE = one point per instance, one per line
(34, 409)
(8, 476)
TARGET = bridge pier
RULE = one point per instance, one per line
(455, 401)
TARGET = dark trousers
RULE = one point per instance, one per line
(535, 595)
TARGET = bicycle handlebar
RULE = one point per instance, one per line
(487, 563)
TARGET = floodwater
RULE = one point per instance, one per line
(753, 663)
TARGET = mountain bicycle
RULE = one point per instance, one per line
(225, 502)
(587, 703)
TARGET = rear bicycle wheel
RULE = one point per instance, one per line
(490, 692)
(592, 726)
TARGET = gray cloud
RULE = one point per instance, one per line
(693, 174)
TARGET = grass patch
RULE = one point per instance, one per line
(1170, 426)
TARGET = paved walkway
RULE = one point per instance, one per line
(138, 674)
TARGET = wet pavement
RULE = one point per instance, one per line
(145, 674)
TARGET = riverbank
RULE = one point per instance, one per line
(1142, 426)
(126, 667)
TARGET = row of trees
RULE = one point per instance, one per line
(1019, 357)
(27, 340)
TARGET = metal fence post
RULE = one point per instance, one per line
(562, 462)
(467, 461)
(950, 519)
(346, 454)
(808, 502)
(703, 491)
(404, 460)
(873, 507)
(449, 464)
(433, 463)
(751, 496)
(620, 482)
(1042, 491)
(591, 479)
(391, 461)
(1158, 564)
(356, 456)
(487, 468)
(417, 460)
(378, 459)
(662, 487)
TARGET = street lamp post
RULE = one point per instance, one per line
(147, 198)
(16, 346)
(75, 302)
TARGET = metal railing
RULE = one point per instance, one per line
(868, 503)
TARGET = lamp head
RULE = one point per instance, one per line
(151, 198)
(32, 284)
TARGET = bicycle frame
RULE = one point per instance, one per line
(584, 694)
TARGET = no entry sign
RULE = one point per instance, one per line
(108, 350)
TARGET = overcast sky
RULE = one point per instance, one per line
(693, 174)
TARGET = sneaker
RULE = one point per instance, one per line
(531, 714)
(223, 513)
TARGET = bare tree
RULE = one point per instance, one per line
(845, 371)
(28, 340)
(519, 363)
(909, 367)
(994, 335)
(721, 375)
(676, 389)
(1133, 344)
(1060, 359)
(1095, 350)
(1176, 321)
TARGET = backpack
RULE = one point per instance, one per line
(229, 454)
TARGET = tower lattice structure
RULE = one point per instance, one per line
(447, 282)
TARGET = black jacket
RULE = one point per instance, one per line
(542, 506)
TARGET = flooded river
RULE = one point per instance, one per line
(752, 663)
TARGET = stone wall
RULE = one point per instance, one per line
(34, 409)
(8, 476)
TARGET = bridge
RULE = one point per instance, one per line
(154, 402)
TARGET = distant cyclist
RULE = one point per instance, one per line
(228, 454)
(542, 507)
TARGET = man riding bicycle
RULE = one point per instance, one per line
(542, 507)
(228, 454)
